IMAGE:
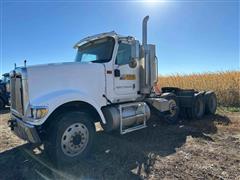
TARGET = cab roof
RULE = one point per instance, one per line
(99, 36)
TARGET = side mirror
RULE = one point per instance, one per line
(133, 63)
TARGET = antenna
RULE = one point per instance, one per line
(25, 63)
(15, 65)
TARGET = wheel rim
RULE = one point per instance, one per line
(74, 139)
(172, 107)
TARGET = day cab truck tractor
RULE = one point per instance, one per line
(111, 81)
(4, 91)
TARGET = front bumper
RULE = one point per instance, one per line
(24, 130)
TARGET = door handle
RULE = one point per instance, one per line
(116, 72)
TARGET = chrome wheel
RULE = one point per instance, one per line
(172, 107)
(74, 139)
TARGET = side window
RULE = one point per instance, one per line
(123, 54)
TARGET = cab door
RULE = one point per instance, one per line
(126, 72)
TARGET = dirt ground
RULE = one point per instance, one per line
(199, 149)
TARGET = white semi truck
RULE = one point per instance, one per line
(111, 81)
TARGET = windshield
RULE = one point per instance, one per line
(98, 51)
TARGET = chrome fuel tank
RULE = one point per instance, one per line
(129, 114)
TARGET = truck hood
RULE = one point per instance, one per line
(46, 79)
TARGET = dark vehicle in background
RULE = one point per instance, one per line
(4, 91)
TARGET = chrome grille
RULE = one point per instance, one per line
(16, 94)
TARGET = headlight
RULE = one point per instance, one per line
(38, 112)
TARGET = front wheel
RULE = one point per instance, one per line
(70, 138)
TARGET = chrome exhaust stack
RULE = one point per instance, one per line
(148, 70)
(144, 30)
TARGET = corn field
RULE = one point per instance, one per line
(226, 84)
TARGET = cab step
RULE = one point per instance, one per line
(137, 126)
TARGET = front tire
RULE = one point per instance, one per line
(70, 138)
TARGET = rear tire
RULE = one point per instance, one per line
(172, 117)
(70, 138)
(210, 102)
(198, 108)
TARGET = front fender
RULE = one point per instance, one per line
(55, 99)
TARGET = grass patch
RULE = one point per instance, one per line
(228, 109)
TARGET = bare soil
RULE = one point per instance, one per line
(200, 149)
